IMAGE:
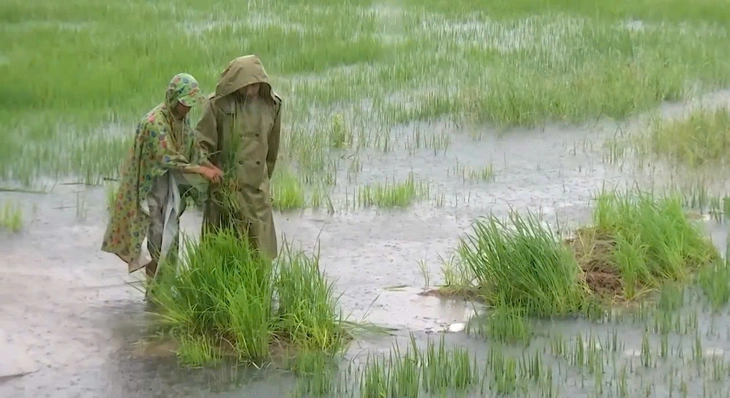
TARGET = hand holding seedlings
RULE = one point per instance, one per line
(211, 173)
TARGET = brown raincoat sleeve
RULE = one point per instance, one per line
(206, 132)
(274, 138)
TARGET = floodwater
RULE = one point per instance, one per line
(70, 322)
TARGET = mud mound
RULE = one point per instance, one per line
(593, 251)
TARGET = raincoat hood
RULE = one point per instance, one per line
(183, 88)
(240, 73)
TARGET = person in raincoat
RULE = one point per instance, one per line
(148, 203)
(239, 133)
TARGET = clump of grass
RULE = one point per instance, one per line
(702, 137)
(286, 190)
(638, 242)
(392, 194)
(225, 300)
(11, 217)
(340, 136)
(521, 265)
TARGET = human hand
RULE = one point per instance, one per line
(212, 174)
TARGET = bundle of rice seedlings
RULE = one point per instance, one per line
(640, 241)
(226, 300)
(522, 265)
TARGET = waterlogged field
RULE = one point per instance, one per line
(519, 198)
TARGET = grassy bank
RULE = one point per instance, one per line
(227, 302)
(391, 63)
(636, 243)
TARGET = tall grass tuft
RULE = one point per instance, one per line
(649, 239)
(522, 265)
(637, 243)
(225, 300)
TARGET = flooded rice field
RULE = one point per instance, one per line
(73, 326)
(418, 119)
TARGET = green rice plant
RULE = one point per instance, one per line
(392, 194)
(714, 281)
(11, 217)
(307, 305)
(434, 369)
(466, 173)
(241, 305)
(317, 373)
(671, 297)
(340, 136)
(287, 192)
(111, 195)
(648, 239)
(505, 325)
(522, 265)
(504, 376)
(701, 138)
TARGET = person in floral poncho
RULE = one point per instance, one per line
(164, 146)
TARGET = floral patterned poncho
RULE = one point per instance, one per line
(161, 143)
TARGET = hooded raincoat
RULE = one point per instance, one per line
(240, 136)
(163, 143)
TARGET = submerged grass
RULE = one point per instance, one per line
(227, 301)
(637, 243)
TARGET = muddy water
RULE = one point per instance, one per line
(71, 321)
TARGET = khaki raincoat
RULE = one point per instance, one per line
(162, 143)
(240, 136)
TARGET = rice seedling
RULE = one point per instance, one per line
(317, 373)
(466, 173)
(392, 194)
(503, 324)
(286, 190)
(521, 265)
(111, 195)
(636, 243)
(696, 140)
(434, 369)
(671, 297)
(225, 300)
(714, 280)
(645, 240)
(340, 136)
(11, 217)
